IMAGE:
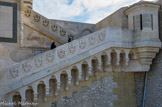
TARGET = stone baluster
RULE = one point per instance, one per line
(99, 62)
(109, 57)
(57, 75)
(22, 92)
(35, 89)
(89, 61)
(69, 76)
(79, 66)
(47, 87)
(118, 57)
(126, 56)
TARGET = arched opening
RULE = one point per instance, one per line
(41, 91)
(104, 60)
(17, 100)
(85, 71)
(64, 80)
(94, 67)
(113, 60)
(53, 86)
(74, 73)
(29, 96)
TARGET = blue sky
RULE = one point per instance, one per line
(87, 11)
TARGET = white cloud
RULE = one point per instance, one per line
(94, 9)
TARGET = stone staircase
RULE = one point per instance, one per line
(109, 49)
(46, 26)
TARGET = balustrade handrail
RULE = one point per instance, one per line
(47, 24)
(68, 50)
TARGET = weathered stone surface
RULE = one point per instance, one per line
(154, 87)
(98, 94)
(139, 86)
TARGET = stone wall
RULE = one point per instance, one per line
(154, 86)
(80, 29)
(117, 19)
(114, 89)
(139, 79)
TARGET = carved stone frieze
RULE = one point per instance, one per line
(38, 62)
(72, 48)
(36, 18)
(45, 23)
(92, 40)
(62, 32)
(54, 28)
(102, 35)
(26, 67)
(14, 72)
(27, 12)
(50, 57)
(61, 53)
(82, 44)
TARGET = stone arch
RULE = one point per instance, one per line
(41, 91)
(74, 74)
(113, 55)
(104, 60)
(16, 99)
(95, 62)
(85, 68)
(53, 85)
(132, 55)
(29, 94)
(122, 58)
(64, 80)
(86, 31)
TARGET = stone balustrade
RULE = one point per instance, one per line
(46, 26)
(109, 49)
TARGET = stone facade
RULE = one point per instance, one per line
(104, 66)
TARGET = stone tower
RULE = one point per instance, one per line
(28, 3)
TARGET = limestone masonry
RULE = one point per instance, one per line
(116, 62)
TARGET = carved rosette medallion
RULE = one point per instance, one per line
(92, 40)
(82, 44)
(50, 57)
(72, 48)
(102, 35)
(26, 67)
(62, 32)
(38, 62)
(36, 18)
(45, 23)
(61, 53)
(14, 72)
(54, 28)
(27, 12)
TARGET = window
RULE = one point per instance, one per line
(137, 22)
(147, 20)
(143, 21)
